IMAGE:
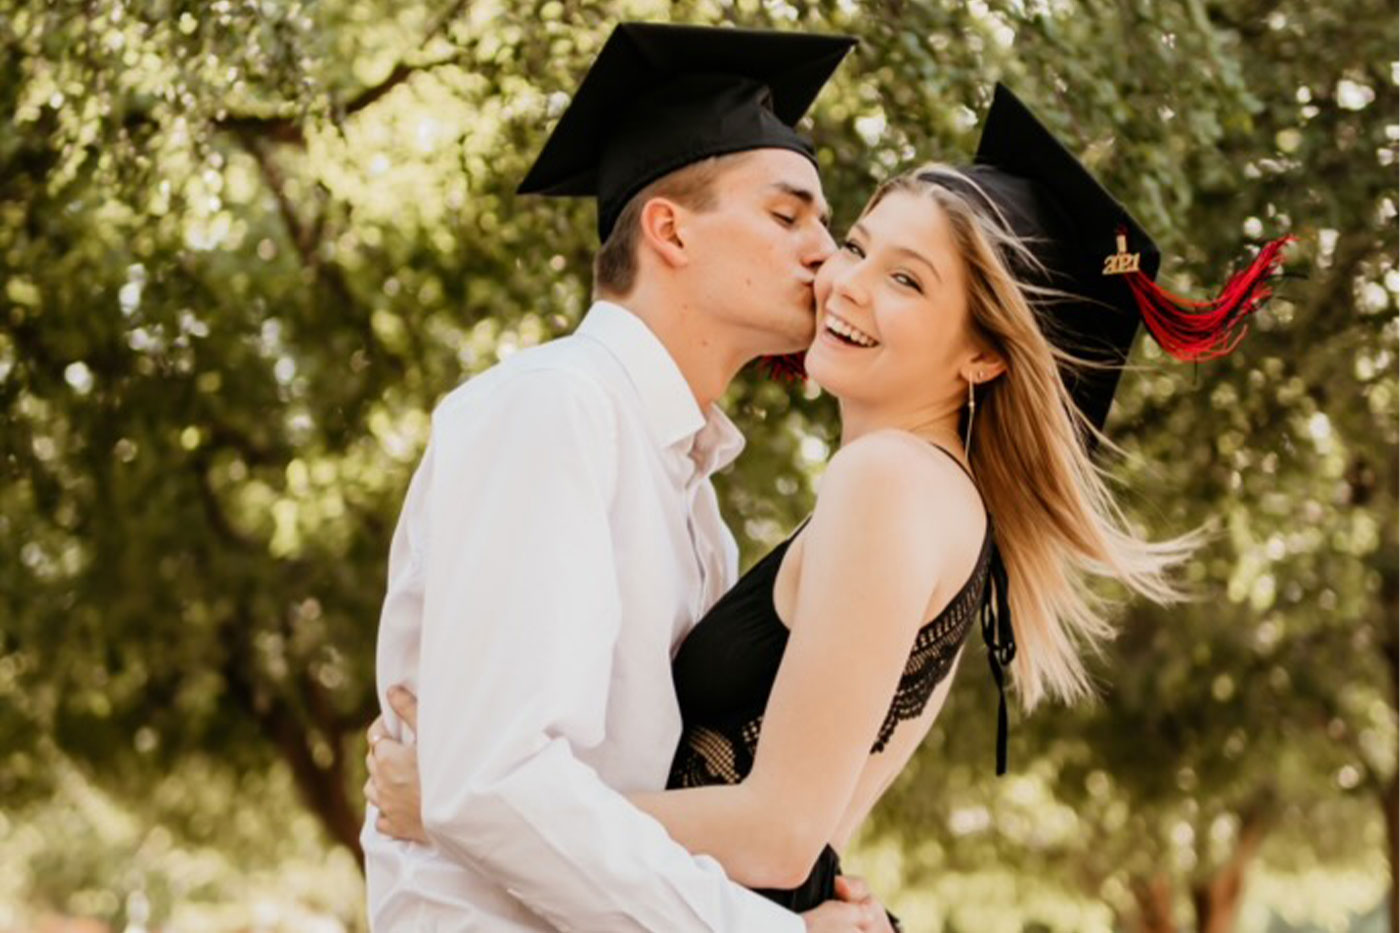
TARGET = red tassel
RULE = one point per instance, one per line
(788, 369)
(1205, 330)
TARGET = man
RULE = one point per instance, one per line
(561, 534)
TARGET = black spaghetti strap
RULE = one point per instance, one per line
(950, 456)
(1000, 640)
(995, 614)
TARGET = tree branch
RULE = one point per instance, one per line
(288, 129)
(322, 790)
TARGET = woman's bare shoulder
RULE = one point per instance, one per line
(906, 466)
(919, 492)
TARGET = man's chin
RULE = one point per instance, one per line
(793, 334)
(790, 343)
(799, 347)
(803, 337)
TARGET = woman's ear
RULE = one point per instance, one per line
(983, 366)
(660, 222)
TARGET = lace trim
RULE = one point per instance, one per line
(935, 649)
(709, 756)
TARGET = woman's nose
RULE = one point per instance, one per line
(849, 282)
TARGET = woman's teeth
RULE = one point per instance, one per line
(849, 334)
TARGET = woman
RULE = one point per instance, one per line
(963, 489)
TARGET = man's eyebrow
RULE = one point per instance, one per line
(808, 197)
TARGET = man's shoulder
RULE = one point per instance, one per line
(553, 406)
(565, 375)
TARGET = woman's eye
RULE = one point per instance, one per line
(784, 219)
(852, 247)
(907, 281)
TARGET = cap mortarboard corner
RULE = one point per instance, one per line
(660, 96)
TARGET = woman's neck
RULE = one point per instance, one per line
(933, 425)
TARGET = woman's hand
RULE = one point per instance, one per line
(854, 911)
(393, 785)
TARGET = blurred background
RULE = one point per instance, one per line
(245, 245)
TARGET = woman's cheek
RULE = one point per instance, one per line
(825, 276)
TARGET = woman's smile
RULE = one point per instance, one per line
(845, 333)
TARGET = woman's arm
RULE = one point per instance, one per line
(884, 528)
(885, 525)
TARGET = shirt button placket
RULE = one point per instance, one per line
(697, 600)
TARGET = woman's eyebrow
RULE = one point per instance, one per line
(919, 257)
(903, 251)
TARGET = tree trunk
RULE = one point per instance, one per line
(1390, 795)
(1390, 803)
(1217, 901)
(1154, 900)
(323, 787)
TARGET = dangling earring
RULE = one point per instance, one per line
(971, 410)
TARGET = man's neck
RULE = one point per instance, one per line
(708, 356)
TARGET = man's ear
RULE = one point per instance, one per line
(661, 222)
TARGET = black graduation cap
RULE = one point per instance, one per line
(1091, 248)
(660, 97)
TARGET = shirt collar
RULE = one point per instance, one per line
(717, 444)
(672, 414)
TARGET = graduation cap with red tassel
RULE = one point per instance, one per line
(1103, 266)
(1192, 331)
(1094, 252)
(1091, 251)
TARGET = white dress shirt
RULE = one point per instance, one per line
(560, 537)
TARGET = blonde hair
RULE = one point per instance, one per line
(1056, 522)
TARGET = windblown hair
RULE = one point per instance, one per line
(1057, 524)
(693, 186)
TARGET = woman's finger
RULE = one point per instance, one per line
(852, 888)
(398, 765)
(406, 705)
(876, 920)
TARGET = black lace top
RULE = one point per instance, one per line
(725, 670)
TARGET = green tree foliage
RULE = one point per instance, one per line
(246, 245)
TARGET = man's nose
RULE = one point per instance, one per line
(820, 251)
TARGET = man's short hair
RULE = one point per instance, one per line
(692, 187)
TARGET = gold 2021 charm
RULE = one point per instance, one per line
(1121, 262)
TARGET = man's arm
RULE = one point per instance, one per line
(520, 621)
(393, 789)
